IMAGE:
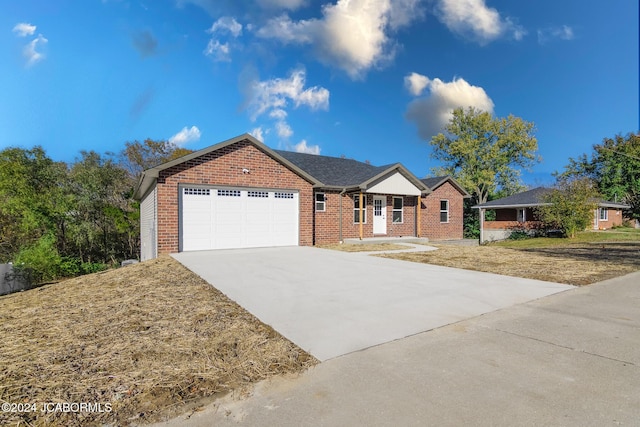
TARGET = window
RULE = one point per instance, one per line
(229, 193)
(280, 195)
(196, 191)
(522, 217)
(356, 209)
(604, 214)
(257, 194)
(397, 210)
(320, 202)
(444, 211)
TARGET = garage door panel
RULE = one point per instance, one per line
(234, 218)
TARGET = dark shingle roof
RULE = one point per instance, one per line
(433, 181)
(526, 198)
(333, 170)
(534, 198)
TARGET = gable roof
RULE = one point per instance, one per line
(149, 176)
(437, 181)
(333, 171)
(320, 171)
(533, 197)
(337, 172)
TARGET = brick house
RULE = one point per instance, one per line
(518, 212)
(240, 193)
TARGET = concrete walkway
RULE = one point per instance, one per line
(570, 359)
(331, 303)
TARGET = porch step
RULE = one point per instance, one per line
(408, 239)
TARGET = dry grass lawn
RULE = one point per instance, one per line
(152, 340)
(590, 258)
(365, 247)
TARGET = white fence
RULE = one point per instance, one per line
(11, 285)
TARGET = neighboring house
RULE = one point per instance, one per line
(518, 212)
(240, 193)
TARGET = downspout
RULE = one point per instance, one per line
(360, 214)
(419, 208)
(481, 226)
(340, 222)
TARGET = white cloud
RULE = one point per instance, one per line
(302, 147)
(23, 29)
(404, 12)
(226, 25)
(218, 51)
(30, 52)
(352, 34)
(282, 4)
(278, 114)
(185, 136)
(283, 129)
(275, 94)
(563, 32)
(258, 133)
(416, 83)
(473, 19)
(432, 112)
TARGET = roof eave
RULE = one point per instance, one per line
(511, 206)
(403, 171)
(149, 175)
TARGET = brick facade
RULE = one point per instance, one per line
(224, 167)
(614, 219)
(432, 228)
(327, 223)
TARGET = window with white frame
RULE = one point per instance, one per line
(444, 211)
(397, 210)
(604, 214)
(320, 202)
(522, 215)
(356, 209)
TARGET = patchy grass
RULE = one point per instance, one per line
(589, 258)
(152, 340)
(365, 247)
(620, 235)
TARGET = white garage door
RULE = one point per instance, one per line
(223, 218)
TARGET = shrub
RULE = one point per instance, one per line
(39, 262)
(519, 235)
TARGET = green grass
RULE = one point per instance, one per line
(618, 235)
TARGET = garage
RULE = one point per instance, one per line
(228, 218)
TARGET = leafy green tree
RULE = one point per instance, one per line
(485, 153)
(138, 156)
(615, 166)
(569, 206)
(32, 202)
(101, 226)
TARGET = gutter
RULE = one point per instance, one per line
(341, 240)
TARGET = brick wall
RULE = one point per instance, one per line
(430, 214)
(614, 218)
(224, 167)
(327, 223)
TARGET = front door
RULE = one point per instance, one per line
(596, 212)
(379, 215)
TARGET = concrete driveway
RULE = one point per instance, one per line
(569, 359)
(332, 303)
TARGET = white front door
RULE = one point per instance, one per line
(379, 215)
(596, 214)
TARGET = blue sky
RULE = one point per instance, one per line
(367, 79)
